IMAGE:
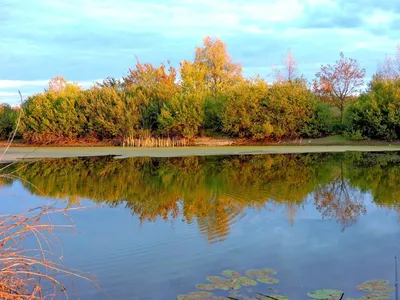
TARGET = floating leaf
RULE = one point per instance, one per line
(215, 279)
(260, 273)
(376, 286)
(225, 285)
(245, 281)
(230, 273)
(373, 296)
(267, 280)
(325, 294)
(205, 287)
(194, 296)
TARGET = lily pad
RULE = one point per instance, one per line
(376, 286)
(225, 285)
(325, 294)
(245, 281)
(194, 296)
(230, 273)
(373, 296)
(205, 286)
(267, 280)
(260, 273)
(215, 279)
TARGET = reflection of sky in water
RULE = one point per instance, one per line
(160, 259)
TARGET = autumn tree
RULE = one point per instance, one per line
(59, 86)
(109, 113)
(111, 82)
(183, 115)
(193, 76)
(220, 72)
(289, 71)
(52, 115)
(256, 111)
(389, 69)
(244, 115)
(152, 88)
(337, 83)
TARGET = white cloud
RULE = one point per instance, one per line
(21, 83)
(99, 38)
(9, 88)
(8, 94)
(6, 84)
(380, 17)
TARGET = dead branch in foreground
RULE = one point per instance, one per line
(24, 272)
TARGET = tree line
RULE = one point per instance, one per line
(209, 96)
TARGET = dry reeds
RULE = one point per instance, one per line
(154, 142)
(24, 272)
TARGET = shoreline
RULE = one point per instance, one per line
(32, 153)
(333, 140)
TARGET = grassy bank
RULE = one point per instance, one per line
(337, 140)
(16, 153)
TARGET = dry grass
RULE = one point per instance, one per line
(24, 272)
(154, 142)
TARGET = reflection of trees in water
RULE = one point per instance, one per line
(214, 191)
(338, 200)
(217, 223)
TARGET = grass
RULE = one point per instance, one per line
(334, 139)
(342, 140)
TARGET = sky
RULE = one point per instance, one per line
(88, 40)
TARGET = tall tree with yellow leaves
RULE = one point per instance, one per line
(220, 72)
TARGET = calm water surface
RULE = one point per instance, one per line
(159, 226)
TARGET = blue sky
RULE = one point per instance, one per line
(87, 40)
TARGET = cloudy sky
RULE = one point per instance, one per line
(87, 40)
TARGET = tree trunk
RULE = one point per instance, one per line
(341, 111)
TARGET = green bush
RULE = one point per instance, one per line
(320, 123)
(182, 116)
(355, 135)
(259, 112)
(376, 113)
(8, 118)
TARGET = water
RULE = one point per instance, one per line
(156, 227)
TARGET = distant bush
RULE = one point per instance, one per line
(376, 113)
(209, 94)
(255, 110)
(355, 135)
(8, 118)
(320, 123)
(182, 116)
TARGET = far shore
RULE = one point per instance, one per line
(28, 153)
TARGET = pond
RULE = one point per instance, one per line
(157, 228)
